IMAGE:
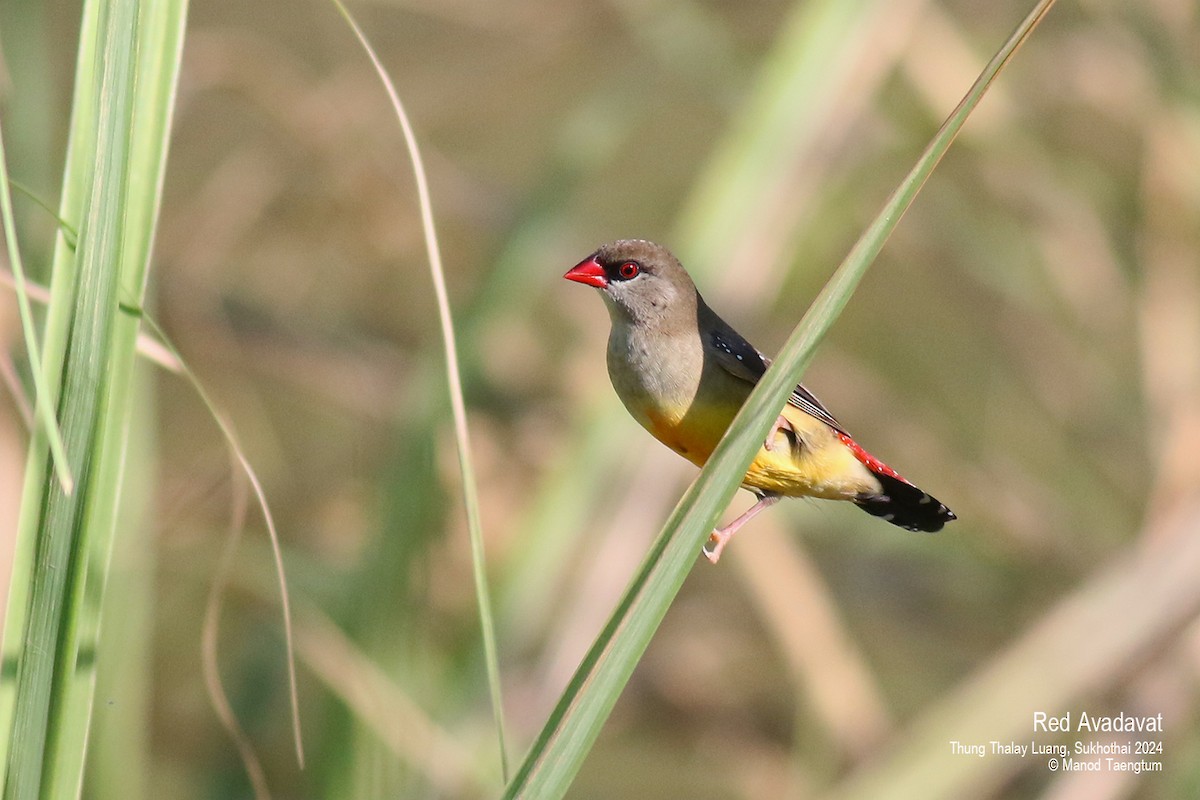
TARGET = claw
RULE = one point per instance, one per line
(721, 536)
(781, 424)
(717, 541)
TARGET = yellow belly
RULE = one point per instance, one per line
(813, 463)
(829, 471)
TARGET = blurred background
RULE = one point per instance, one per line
(1026, 348)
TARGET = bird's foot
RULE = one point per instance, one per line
(781, 424)
(717, 541)
(721, 536)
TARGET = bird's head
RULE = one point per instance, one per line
(642, 283)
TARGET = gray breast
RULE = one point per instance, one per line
(661, 371)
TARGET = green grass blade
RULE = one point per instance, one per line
(575, 723)
(119, 739)
(158, 43)
(43, 403)
(55, 521)
(125, 83)
(80, 150)
(457, 405)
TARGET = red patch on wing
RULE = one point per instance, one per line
(871, 462)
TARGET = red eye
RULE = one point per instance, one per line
(629, 269)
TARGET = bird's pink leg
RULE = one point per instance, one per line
(721, 536)
(781, 424)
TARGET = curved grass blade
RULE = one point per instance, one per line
(457, 405)
(238, 456)
(575, 723)
(69, 233)
(210, 636)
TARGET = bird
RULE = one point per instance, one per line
(683, 373)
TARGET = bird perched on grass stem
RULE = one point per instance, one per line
(683, 373)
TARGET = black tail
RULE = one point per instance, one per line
(905, 505)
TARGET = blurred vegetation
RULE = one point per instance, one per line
(1027, 348)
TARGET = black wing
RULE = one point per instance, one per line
(740, 358)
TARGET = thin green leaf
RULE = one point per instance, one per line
(575, 723)
(43, 402)
(68, 231)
